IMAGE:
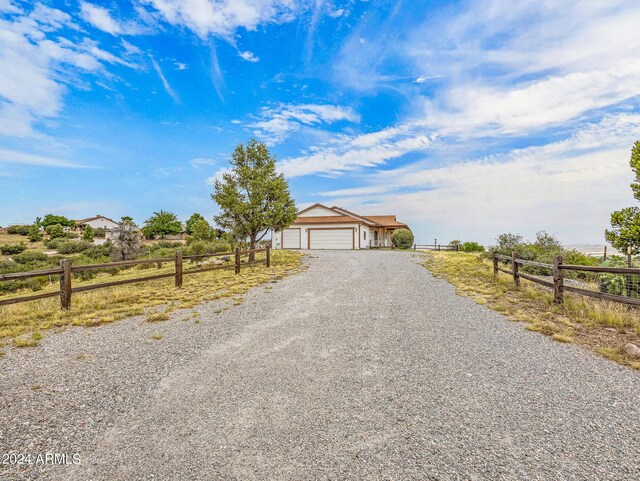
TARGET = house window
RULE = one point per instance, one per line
(364, 235)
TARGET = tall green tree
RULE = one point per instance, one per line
(201, 230)
(192, 220)
(51, 219)
(253, 198)
(161, 224)
(625, 223)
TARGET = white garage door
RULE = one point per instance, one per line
(291, 239)
(331, 238)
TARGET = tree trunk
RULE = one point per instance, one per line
(252, 245)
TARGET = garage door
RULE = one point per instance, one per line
(291, 239)
(331, 238)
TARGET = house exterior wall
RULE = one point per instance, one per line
(304, 234)
(101, 223)
(319, 211)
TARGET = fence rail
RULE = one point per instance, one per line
(624, 281)
(436, 247)
(66, 270)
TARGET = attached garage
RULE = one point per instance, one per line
(332, 238)
(291, 238)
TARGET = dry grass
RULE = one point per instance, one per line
(18, 239)
(155, 299)
(604, 327)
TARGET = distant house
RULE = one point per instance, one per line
(97, 222)
(322, 227)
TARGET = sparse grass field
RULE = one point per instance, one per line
(17, 239)
(604, 327)
(155, 299)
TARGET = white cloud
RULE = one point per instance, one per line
(164, 81)
(218, 175)
(278, 123)
(346, 153)
(15, 157)
(223, 17)
(198, 161)
(100, 18)
(569, 187)
(249, 56)
(37, 64)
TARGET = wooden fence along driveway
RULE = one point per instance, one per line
(66, 271)
(617, 284)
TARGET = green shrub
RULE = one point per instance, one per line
(31, 256)
(12, 249)
(402, 238)
(34, 234)
(55, 243)
(99, 232)
(472, 247)
(55, 231)
(88, 234)
(71, 235)
(21, 229)
(163, 244)
(74, 247)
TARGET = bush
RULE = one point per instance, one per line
(55, 243)
(12, 249)
(74, 247)
(88, 234)
(99, 232)
(201, 247)
(31, 256)
(55, 231)
(34, 234)
(18, 229)
(402, 238)
(97, 252)
(71, 235)
(168, 245)
(472, 247)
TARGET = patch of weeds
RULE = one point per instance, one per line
(81, 357)
(157, 337)
(157, 317)
(31, 341)
(601, 326)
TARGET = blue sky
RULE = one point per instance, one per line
(465, 119)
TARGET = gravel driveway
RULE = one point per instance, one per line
(363, 366)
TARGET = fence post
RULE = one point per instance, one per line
(438, 246)
(558, 280)
(178, 268)
(495, 265)
(268, 256)
(414, 247)
(237, 260)
(457, 247)
(65, 284)
(516, 278)
(605, 253)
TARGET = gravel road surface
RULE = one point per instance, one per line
(363, 366)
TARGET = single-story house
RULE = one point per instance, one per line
(97, 222)
(322, 227)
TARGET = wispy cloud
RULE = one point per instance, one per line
(16, 157)
(163, 79)
(222, 17)
(102, 19)
(37, 65)
(278, 123)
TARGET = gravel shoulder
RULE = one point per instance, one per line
(363, 366)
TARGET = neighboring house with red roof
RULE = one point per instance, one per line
(322, 227)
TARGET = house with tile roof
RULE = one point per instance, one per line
(322, 227)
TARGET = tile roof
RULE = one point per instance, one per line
(82, 221)
(386, 220)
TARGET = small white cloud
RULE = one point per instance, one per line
(362, 41)
(164, 81)
(218, 175)
(102, 19)
(236, 121)
(337, 13)
(420, 80)
(249, 56)
(202, 161)
(280, 122)
(181, 66)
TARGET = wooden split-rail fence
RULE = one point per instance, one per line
(66, 271)
(558, 282)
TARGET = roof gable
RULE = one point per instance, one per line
(318, 210)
